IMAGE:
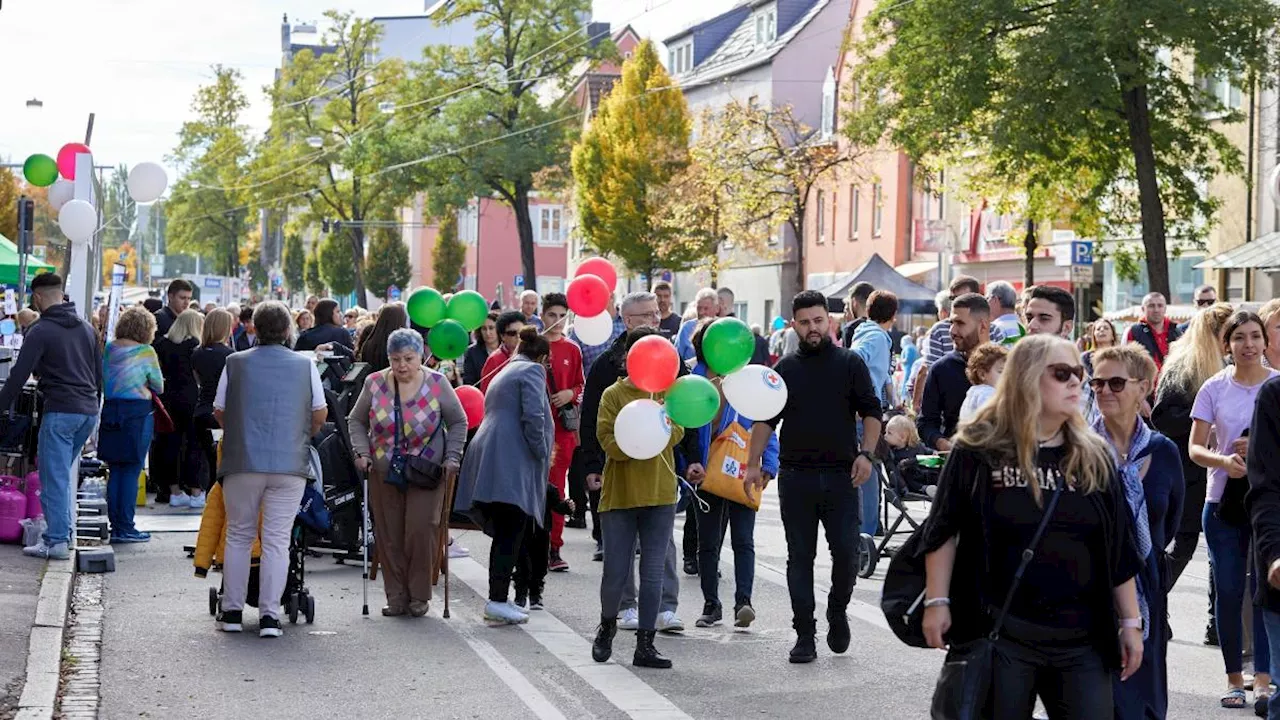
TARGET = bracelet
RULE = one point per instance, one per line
(938, 601)
(1131, 623)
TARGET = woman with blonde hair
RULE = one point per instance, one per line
(208, 361)
(177, 461)
(1192, 360)
(1270, 314)
(1057, 598)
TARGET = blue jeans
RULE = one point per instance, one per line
(869, 499)
(807, 498)
(1271, 621)
(62, 438)
(1230, 559)
(653, 527)
(740, 520)
(124, 434)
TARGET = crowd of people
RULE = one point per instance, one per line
(1078, 476)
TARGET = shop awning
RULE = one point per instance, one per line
(9, 264)
(1261, 254)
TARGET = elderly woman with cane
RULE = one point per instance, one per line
(408, 430)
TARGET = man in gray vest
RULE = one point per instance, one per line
(269, 403)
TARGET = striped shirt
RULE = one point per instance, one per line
(131, 372)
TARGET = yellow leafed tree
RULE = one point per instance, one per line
(124, 255)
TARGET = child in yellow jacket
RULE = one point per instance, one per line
(211, 543)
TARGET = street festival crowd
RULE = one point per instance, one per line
(1068, 481)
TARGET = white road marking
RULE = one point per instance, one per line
(464, 624)
(858, 609)
(615, 683)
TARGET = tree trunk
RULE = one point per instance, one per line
(1030, 245)
(524, 224)
(1137, 111)
(357, 241)
(797, 227)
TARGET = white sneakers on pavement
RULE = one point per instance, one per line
(59, 551)
(668, 622)
(504, 613)
(629, 619)
(457, 551)
(179, 500)
(196, 502)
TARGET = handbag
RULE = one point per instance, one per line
(965, 681)
(569, 413)
(163, 421)
(412, 470)
(727, 466)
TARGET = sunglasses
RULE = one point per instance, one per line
(1205, 302)
(511, 333)
(1063, 372)
(1114, 384)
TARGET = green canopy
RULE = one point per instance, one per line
(9, 264)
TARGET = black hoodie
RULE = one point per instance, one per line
(62, 350)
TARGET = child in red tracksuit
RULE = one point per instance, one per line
(531, 570)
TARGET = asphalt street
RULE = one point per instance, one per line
(163, 659)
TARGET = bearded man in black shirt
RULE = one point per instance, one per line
(821, 467)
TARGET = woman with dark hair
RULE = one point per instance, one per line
(177, 462)
(509, 324)
(503, 485)
(1224, 408)
(486, 344)
(373, 345)
(328, 330)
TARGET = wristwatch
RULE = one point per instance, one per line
(935, 602)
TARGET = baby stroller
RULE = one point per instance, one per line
(343, 485)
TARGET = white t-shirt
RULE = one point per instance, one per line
(977, 396)
(318, 401)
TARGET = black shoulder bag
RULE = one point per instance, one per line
(412, 470)
(570, 414)
(965, 681)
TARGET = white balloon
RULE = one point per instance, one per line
(60, 193)
(642, 429)
(147, 182)
(594, 330)
(756, 392)
(78, 221)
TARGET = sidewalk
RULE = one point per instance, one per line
(19, 591)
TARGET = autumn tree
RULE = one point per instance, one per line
(488, 133)
(295, 262)
(448, 256)
(636, 144)
(388, 262)
(314, 281)
(9, 194)
(123, 254)
(207, 205)
(1100, 112)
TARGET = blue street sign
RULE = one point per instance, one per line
(393, 292)
(519, 281)
(1081, 252)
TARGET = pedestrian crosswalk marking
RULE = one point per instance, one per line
(538, 703)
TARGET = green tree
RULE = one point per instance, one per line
(449, 254)
(295, 263)
(335, 265)
(315, 283)
(1096, 112)
(388, 262)
(328, 144)
(493, 135)
(9, 193)
(206, 210)
(638, 142)
(119, 211)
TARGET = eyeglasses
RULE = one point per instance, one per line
(1114, 384)
(1063, 372)
(1205, 302)
(510, 333)
(644, 315)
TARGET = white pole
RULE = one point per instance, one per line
(79, 285)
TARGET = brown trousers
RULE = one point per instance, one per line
(407, 536)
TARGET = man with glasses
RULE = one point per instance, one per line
(509, 324)
(564, 383)
(1205, 296)
(1154, 332)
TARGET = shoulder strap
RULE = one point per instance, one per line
(397, 415)
(1027, 555)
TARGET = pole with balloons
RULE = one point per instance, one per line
(71, 194)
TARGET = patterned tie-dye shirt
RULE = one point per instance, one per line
(131, 372)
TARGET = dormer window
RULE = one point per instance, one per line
(829, 103)
(680, 57)
(766, 25)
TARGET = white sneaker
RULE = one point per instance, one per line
(197, 501)
(457, 551)
(180, 500)
(669, 623)
(58, 551)
(504, 613)
(629, 619)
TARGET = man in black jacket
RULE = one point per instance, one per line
(62, 351)
(947, 384)
(821, 467)
(639, 309)
(1263, 502)
(1154, 332)
(178, 299)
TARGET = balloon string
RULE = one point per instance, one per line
(702, 504)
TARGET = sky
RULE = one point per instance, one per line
(137, 63)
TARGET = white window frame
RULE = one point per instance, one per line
(822, 217)
(877, 210)
(680, 57)
(829, 104)
(766, 25)
(855, 194)
(545, 216)
(1221, 89)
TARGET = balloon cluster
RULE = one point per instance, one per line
(450, 321)
(643, 427)
(78, 219)
(589, 295)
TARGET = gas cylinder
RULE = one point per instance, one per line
(31, 486)
(13, 507)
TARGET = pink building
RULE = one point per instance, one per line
(493, 267)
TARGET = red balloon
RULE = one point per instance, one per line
(67, 159)
(652, 364)
(472, 403)
(602, 269)
(588, 295)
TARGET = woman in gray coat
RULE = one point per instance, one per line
(504, 473)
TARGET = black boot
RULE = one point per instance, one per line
(646, 654)
(838, 634)
(806, 647)
(602, 648)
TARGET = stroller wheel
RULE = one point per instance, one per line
(309, 608)
(291, 607)
(867, 556)
(213, 601)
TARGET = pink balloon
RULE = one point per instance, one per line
(602, 269)
(67, 159)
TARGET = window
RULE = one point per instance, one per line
(829, 104)
(468, 224)
(877, 209)
(766, 26)
(855, 196)
(680, 58)
(822, 217)
(1219, 88)
(550, 227)
(835, 214)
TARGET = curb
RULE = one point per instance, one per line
(44, 653)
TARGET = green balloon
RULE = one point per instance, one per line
(448, 340)
(40, 170)
(469, 308)
(426, 307)
(728, 345)
(692, 401)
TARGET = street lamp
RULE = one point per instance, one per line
(35, 103)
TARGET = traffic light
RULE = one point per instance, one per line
(26, 223)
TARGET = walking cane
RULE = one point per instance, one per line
(364, 542)
(445, 512)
